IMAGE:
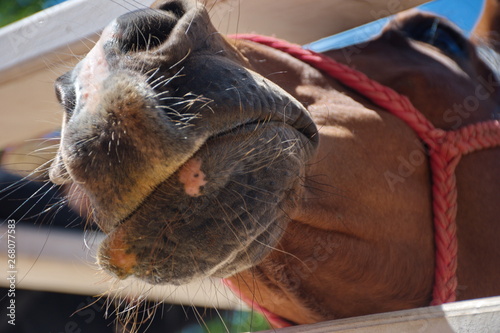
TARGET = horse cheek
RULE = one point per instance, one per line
(450, 117)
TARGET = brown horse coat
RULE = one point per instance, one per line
(452, 90)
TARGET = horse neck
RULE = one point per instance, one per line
(300, 80)
(450, 93)
(337, 217)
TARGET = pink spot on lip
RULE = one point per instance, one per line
(192, 177)
(120, 259)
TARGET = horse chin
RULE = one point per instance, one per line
(178, 234)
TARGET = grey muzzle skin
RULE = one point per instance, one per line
(160, 88)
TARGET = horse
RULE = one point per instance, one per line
(203, 155)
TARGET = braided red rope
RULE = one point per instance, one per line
(445, 150)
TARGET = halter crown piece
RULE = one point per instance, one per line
(445, 150)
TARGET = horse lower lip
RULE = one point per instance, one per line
(255, 123)
(117, 256)
(247, 127)
(109, 228)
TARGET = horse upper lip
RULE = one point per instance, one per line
(255, 122)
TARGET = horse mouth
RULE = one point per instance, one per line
(193, 166)
(211, 189)
(227, 214)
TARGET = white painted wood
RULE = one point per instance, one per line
(36, 50)
(58, 26)
(69, 22)
(474, 316)
(64, 261)
(302, 21)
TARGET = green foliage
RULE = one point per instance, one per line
(232, 322)
(249, 322)
(12, 10)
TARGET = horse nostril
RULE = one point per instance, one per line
(65, 92)
(145, 29)
(174, 7)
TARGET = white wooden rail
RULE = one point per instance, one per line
(54, 29)
(36, 50)
(58, 260)
(64, 261)
(474, 316)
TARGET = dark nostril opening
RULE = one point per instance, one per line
(65, 92)
(145, 29)
(173, 7)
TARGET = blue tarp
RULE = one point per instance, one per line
(463, 13)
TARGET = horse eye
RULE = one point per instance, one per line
(443, 37)
(448, 42)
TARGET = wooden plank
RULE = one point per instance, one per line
(479, 315)
(300, 22)
(64, 261)
(36, 50)
(25, 43)
(68, 23)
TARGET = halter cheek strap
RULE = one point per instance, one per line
(445, 150)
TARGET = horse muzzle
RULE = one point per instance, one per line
(159, 90)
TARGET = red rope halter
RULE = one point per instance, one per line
(445, 150)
